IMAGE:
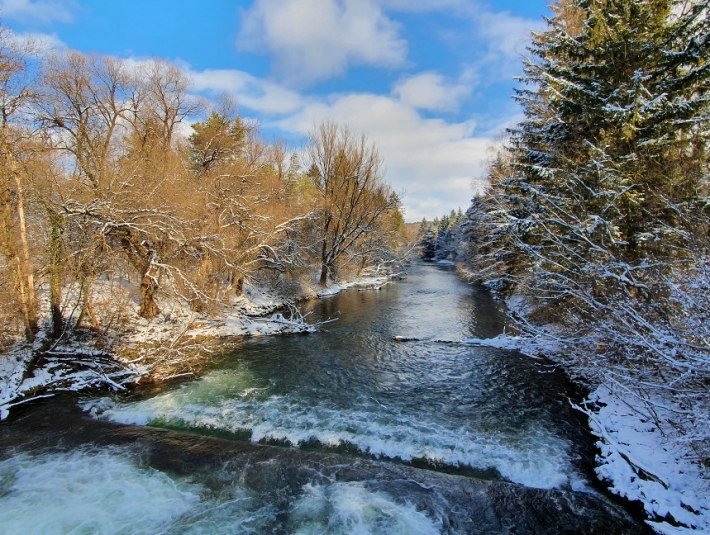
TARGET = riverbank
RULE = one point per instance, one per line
(643, 456)
(491, 419)
(174, 345)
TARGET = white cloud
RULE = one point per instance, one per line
(254, 93)
(507, 35)
(434, 163)
(38, 11)
(499, 37)
(313, 40)
(420, 6)
(431, 91)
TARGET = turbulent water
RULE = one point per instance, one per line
(133, 498)
(354, 388)
(354, 414)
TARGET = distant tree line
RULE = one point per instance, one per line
(441, 238)
(102, 180)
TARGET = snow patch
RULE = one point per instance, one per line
(12, 369)
(374, 282)
(67, 369)
(526, 345)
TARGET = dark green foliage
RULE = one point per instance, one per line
(597, 214)
(598, 209)
(608, 166)
(441, 238)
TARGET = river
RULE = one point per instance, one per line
(346, 431)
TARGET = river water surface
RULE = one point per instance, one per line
(350, 398)
(354, 388)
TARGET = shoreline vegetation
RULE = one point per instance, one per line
(175, 346)
(594, 230)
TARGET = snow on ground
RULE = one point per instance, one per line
(76, 366)
(532, 347)
(252, 314)
(231, 321)
(12, 366)
(643, 457)
(69, 368)
(373, 282)
(642, 462)
(257, 301)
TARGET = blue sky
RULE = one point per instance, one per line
(430, 81)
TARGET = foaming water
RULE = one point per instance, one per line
(533, 456)
(351, 508)
(89, 492)
(112, 492)
(354, 388)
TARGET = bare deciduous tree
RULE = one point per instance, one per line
(347, 172)
(14, 93)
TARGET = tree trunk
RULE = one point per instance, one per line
(149, 285)
(28, 298)
(324, 274)
(55, 273)
(239, 287)
(87, 309)
(149, 308)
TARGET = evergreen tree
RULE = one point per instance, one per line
(216, 139)
(612, 146)
(598, 213)
(428, 239)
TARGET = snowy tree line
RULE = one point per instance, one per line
(595, 224)
(441, 238)
(109, 197)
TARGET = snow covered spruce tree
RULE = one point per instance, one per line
(493, 228)
(607, 196)
(600, 219)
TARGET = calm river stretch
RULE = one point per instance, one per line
(345, 430)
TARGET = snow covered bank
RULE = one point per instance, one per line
(532, 347)
(645, 454)
(174, 344)
(370, 282)
(12, 369)
(644, 458)
(66, 368)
